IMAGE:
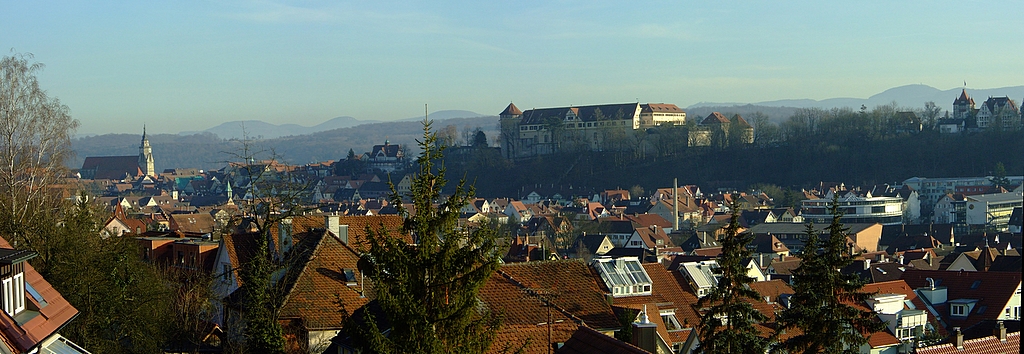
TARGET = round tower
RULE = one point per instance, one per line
(509, 121)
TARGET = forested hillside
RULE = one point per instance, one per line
(207, 151)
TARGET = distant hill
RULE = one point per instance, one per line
(910, 96)
(446, 114)
(206, 150)
(263, 130)
(256, 128)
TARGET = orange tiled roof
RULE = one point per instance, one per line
(771, 289)
(320, 294)
(51, 318)
(586, 340)
(993, 290)
(989, 344)
(573, 287)
(668, 292)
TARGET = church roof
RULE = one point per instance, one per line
(110, 167)
(511, 110)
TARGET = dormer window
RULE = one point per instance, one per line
(12, 274)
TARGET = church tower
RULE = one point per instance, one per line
(146, 156)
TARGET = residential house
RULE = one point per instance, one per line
(865, 208)
(34, 311)
(194, 225)
(544, 303)
(862, 237)
(964, 299)
(652, 290)
(999, 113)
(387, 157)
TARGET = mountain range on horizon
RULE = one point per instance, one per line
(263, 130)
(911, 96)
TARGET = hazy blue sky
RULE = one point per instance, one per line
(190, 65)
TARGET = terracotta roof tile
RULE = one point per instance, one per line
(322, 295)
(771, 289)
(570, 283)
(992, 290)
(51, 318)
(989, 344)
(586, 341)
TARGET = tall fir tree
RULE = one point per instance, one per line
(428, 290)
(820, 306)
(727, 324)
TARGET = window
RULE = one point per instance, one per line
(14, 294)
(958, 310)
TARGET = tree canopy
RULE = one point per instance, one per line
(427, 291)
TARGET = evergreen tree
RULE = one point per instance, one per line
(820, 306)
(727, 324)
(428, 290)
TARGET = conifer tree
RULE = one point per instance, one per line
(428, 290)
(820, 306)
(727, 324)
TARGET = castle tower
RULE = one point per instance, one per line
(509, 121)
(963, 106)
(146, 156)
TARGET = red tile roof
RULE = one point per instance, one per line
(570, 285)
(771, 289)
(714, 118)
(586, 341)
(667, 291)
(51, 318)
(511, 110)
(986, 345)
(993, 290)
(320, 294)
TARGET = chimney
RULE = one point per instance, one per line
(675, 203)
(645, 333)
(958, 338)
(1000, 331)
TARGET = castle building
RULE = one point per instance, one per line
(999, 112)
(548, 130)
(963, 106)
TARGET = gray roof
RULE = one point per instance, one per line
(585, 113)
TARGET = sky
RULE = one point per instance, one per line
(191, 65)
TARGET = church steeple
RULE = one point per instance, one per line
(146, 156)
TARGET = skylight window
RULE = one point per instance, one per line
(976, 284)
(624, 276)
(35, 295)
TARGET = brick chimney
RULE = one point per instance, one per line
(958, 338)
(1000, 331)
